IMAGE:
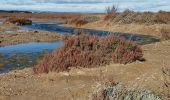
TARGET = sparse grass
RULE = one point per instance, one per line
(90, 19)
(89, 51)
(129, 16)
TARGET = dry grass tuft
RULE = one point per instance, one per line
(18, 21)
(111, 16)
(76, 20)
(81, 20)
(165, 34)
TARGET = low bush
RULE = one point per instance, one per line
(89, 51)
(118, 92)
(111, 16)
(76, 20)
(165, 33)
(125, 17)
(19, 21)
(162, 17)
(80, 20)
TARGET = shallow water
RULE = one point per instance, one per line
(24, 55)
(30, 47)
(59, 28)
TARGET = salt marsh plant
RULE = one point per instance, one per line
(89, 51)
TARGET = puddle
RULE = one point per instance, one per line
(24, 55)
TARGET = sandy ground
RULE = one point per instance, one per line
(4, 27)
(16, 37)
(79, 84)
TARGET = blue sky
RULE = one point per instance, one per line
(84, 5)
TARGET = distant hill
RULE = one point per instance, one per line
(14, 11)
(34, 11)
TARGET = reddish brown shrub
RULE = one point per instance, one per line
(89, 51)
(80, 22)
(19, 21)
(110, 16)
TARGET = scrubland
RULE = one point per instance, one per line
(98, 68)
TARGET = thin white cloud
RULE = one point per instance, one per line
(84, 5)
(73, 1)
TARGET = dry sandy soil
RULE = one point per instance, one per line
(4, 27)
(26, 36)
(79, 84)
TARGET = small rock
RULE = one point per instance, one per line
(36, 32)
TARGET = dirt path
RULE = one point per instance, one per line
(80, 83)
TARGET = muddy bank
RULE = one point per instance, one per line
(81, 83)
(27, 36)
